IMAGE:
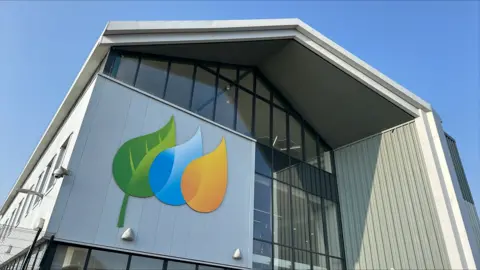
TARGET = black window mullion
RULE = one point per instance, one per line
(216, 93)
(310, 238)
(136, 71)
(325, 233)
(166, 80)
(235, 104)
(292, 243)
(164, 266)
(193, 87)
(254, 102)
(129, 261)
(87, 258)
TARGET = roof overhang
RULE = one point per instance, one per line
(353, 95)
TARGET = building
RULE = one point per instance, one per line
(253, 144)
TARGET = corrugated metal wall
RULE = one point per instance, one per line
(457, 163)
(388, 214)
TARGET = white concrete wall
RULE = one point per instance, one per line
(88, 207)
(22, 235)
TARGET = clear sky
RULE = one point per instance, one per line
(431, 48)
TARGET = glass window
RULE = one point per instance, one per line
(204, 93)
(179, 84)
(246, 79)
(41, 184)
(319, 262)
(279, 130)
(311, 156)
(301, 235)
(104, 260)
(244, 113)
(295, 132)
(333, 232)
(262, 122)
(30, 202)
(282, 229)
(335, 264)
(229, 73)
(325, 159)
(225, 106)
(262, 90)
(145, 263)
(69, 258)
(282, 258)
(302, 260)
(125, 69)
(281, 166)
(19, 216)
(277, 101)
(151, 76)
(173, 265)
(51, 178)
(263, 160)
(206, 267)
(262, 228)
(316, 224)
(262, 255)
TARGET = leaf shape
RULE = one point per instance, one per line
(133, 160)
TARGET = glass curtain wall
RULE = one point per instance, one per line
(296, 216)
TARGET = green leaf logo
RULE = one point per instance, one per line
(132, 162)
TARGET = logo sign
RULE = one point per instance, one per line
(153, 165)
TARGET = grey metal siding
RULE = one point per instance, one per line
(457, 163)
(474, 221)
(388, 213)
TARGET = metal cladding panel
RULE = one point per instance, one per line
(388, 214)
(457, 163)
(119, 114)
(474, 221)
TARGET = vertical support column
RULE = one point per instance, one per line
(444, 185)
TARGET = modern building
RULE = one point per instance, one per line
(255, 144)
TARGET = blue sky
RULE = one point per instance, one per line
(431, 48)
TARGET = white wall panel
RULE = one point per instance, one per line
(118, 114)
(388, 215)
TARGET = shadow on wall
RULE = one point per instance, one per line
(389, 219)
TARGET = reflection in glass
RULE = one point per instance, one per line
(332, 228)
(300, 219)
(319, 262)
(282, 258)
(246, 79)
(281, 164)
(145, 263)
(325, 159)
(262, 122)
(335, 264)
(295, 133)
(280, 130)
(204, 93)
(103, 260)
(173, 265)
(262, 90)
(262, 228)
(205, 267)
(179, 84)
(126, 67)
(244, 113)
(151, 76)
(262, 255)
(316, 224)
(68, 258)
(311, 156)
(225, 106)
(229, 73)
(282, 230)
(263, 160)
(302, 260)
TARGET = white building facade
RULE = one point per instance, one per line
(256, 144)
